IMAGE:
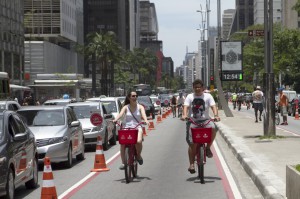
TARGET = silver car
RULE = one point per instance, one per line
(83, 111)
(156, 103)
(58, 133)
(60, 102)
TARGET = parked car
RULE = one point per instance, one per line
(156, 103)
(58, 132)
(83, 111)
(112, 106)
(9, 105)
(60, 102)
(18, 154)
(122, 99)
(148, 105)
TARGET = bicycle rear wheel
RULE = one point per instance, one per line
(127, 165)
(201, 162)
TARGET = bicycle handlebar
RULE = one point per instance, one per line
(188, 119)
(139, 124)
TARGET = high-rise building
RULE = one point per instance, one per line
(227, 19)
(52, 28)
(244, 16)
(290, 17)
(258, 8)
(12, 40)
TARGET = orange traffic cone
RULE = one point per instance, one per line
(48, 189)
(296, 114)
(151, 125)
(144, 131)
(158, 119)
(99, 164)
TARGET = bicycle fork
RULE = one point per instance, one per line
(201, 161)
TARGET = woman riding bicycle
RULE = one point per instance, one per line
(173, 105)
(134, 113)
(197, 105)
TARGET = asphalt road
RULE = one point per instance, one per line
(163, 175)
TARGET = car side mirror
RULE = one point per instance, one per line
(75, 124)
(21, 137)
(108, 116)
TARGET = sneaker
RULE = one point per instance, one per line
(259, 118)
(282, 123)
(256, 121)
(285, 123)
(122, 167)
(209, 154)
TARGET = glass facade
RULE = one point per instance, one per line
(12, 39)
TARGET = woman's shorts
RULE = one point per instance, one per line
(283, 111)
(258, 106)
(189, 138)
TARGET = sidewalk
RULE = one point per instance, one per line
(264, 160)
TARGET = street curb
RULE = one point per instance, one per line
(260, 180)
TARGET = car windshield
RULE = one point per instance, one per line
(85, 111)
(43, 117)
(144, 99)
(110, 106)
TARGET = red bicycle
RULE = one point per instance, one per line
(201, 136)
(128, 137)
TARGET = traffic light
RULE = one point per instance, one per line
(211, 78)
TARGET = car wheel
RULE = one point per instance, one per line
(10, 185)
(81, 156)
(105, 142)
(69, 162)
(33, 183)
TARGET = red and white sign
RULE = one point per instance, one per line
(96, 119)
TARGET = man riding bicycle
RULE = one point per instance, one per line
(197, 105)
(180, 101)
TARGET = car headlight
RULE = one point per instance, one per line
(96, 128)
(57, 140)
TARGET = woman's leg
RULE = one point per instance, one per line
(139, 145)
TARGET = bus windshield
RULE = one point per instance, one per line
(142, 89)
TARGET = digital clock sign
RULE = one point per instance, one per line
(232, 76)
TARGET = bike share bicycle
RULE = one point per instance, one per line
(128, 137)
(201, 136)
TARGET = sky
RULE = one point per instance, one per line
(178, 21)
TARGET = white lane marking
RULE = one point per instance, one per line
(235, 190)
(85, 178)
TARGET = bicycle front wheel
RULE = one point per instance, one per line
(127, 165)
(201, 163)
(277, 119)
(134, 166)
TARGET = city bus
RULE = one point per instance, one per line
(4, 85)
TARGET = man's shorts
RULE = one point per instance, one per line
(189, 138)
(283, 111)
(258, 106)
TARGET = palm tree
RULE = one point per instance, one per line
(102, 49)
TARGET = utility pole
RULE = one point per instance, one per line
(269, 116)
(222, 101)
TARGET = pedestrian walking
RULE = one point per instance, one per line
(283, 104)
(258, 102)
(173, 105)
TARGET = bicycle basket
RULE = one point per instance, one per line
(128, 136)
(201, 135)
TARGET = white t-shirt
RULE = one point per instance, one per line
(201, 105)
(257, 96)
(180, 100)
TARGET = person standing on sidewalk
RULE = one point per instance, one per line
(173, 105)
(283, 104)
(258, 103)
(204, 101)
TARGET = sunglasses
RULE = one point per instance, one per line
(134, 96)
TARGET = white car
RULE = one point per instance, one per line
(156, 103)
(112, 105)
(83, 111)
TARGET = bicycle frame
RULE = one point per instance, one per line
(130, 155)
(201, 145)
